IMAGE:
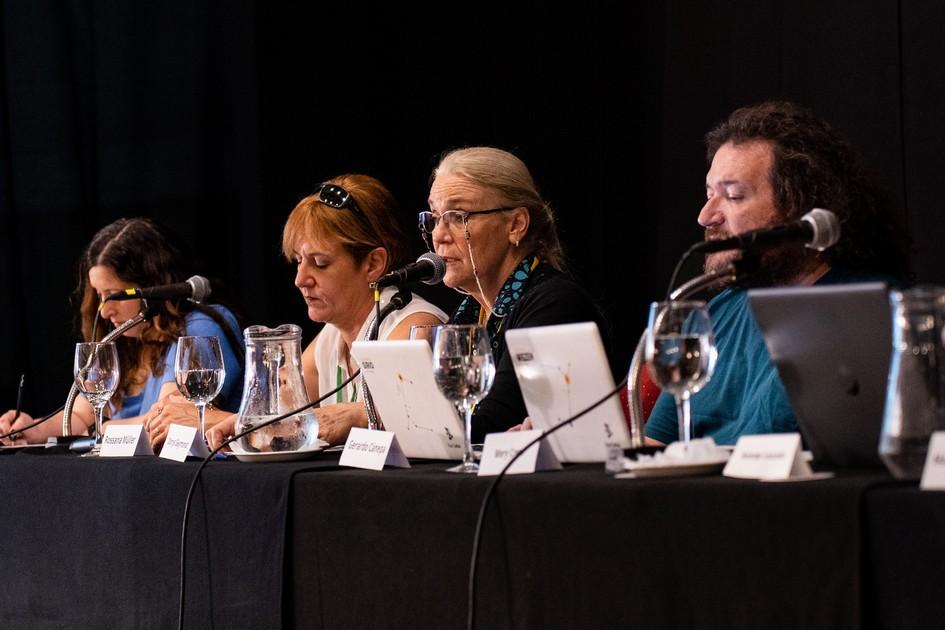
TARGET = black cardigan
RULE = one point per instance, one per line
(550, 297)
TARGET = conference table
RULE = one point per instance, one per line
(95, 543)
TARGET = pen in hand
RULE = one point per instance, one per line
(19, 404)
(19, 396)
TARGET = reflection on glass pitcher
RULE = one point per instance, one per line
(273, 385)
(915, 394)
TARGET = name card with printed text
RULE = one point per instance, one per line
(182, 441)
(774, 457)
(933, 474)
(125, 440)
(499, 448)
(372, 450)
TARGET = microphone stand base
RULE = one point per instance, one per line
(71, 443)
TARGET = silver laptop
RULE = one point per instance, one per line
(832, 345)
(562, 370)
(400, 377)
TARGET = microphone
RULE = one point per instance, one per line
(196, 289)
(818, 229)
(428, 269)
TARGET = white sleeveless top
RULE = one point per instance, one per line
(332, 371)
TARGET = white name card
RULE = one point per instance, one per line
(775, 457)
(125, 440)
(372, 450)
(933, 475)
(499, 448)
(182, 441)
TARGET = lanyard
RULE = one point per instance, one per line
(340, 394)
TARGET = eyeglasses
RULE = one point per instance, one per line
(337, 197)
(451, 218)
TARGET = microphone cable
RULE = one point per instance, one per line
(374, 331)
(206, 460)
(98, 314)
(397, 302)
(477, 535)
(679, 265)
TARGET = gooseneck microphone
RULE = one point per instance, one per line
(196, 289)
(113, 335)
(428, 269)
(818, 229)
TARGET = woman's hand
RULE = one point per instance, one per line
(172, 409)
(8, 424)
(221, 431)
(175, 409)
(335, 421)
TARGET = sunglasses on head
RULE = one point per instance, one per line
(335, 196)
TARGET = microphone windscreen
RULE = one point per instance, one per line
(826, 228)
(201, 288)
(439, 267)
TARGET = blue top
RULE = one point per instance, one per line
(197, 324)
(745, 395)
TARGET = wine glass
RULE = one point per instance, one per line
(97, 376)
(680, 353)
(463, 368)
(423, 332)
(200, 372)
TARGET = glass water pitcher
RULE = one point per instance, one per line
(915, 394)
(272, 386)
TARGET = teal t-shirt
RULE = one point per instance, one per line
(744, 395)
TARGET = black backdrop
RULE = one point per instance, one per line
(215, 117)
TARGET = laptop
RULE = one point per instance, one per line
(832, 346)
(399, 375)
(562, 370)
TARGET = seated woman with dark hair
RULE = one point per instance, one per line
(135, 253)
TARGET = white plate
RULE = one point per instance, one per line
(279, 456)
(676, 470)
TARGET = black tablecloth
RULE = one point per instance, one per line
(577, 549)
(94, 544)
(906, 551)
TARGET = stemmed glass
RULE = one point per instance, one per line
(680, 353)
(200, 372)
(463, 368)
(423, 332)
(97, 375)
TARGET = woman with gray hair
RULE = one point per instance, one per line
(498, 238)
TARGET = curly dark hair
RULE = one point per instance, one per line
(139, 252)
(814, 168)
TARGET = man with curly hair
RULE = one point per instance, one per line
(770, 164)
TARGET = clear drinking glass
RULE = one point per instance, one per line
(200, 372)
(97, 376)
(463, 368)
(680, 353)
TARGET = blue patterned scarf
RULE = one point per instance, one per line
(470, 311)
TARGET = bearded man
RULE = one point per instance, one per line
(770, 164)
